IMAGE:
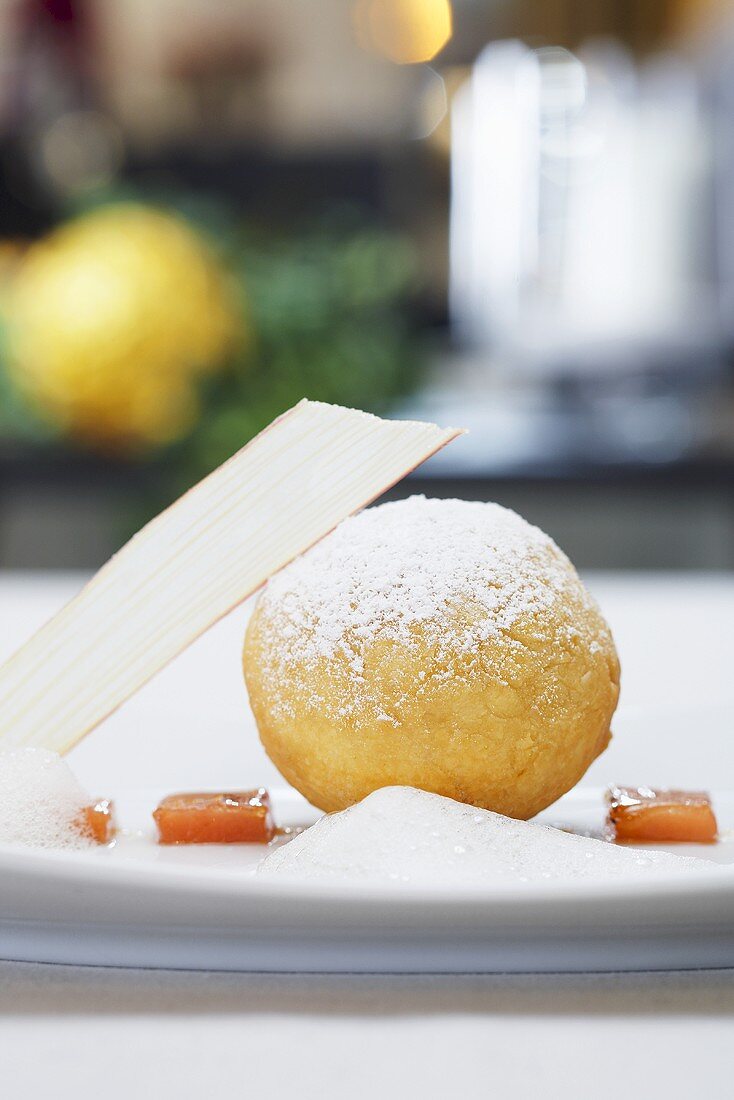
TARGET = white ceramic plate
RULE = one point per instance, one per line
(139, 904)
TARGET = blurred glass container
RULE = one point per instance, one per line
(715, 62)
(578, 214)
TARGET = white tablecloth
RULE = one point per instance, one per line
(111, 1033)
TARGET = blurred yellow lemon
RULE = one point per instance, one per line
(113, 317)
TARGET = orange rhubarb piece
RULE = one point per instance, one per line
(646, 815)
(240, 817)
(100, 820)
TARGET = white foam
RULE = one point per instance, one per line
(406, 835)
(41, 802)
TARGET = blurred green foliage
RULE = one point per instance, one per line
(327, 313)
(328, 317)
(17, 420)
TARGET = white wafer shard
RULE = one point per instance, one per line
(197, 560)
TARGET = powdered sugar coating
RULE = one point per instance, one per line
(459, 573)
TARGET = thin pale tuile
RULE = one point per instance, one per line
(190, 566)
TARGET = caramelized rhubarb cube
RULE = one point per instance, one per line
(99, 819)
(241, 817)
(645, 815)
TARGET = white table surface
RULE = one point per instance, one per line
(68, 1031)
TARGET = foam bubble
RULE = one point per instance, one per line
(41, 802)
(403, 834)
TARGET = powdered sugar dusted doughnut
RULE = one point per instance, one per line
(441, 644)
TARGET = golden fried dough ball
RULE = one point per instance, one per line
(441, 644)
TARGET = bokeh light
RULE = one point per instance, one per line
(82, 150)
(405, 31)
(435, 107)
(432, 104)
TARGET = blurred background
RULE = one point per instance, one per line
(511, 216)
